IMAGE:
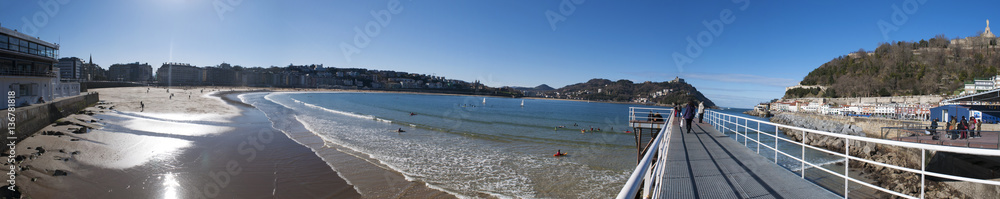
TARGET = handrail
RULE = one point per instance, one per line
(716, 118)
(643, 172)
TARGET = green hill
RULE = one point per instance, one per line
(934, 66)
(677, 92)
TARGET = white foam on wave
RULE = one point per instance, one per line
(454, 164)
(362, 116)
(450, 169)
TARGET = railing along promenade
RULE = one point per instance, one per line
(739, 125)
(645, 177)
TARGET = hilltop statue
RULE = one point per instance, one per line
(987, 33)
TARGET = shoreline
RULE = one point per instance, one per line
(264, 89)
(189, 149)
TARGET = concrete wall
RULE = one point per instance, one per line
(871, 126)
(30, 119)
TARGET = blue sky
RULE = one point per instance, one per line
(767, 45)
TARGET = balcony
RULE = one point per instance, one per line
(27, 73)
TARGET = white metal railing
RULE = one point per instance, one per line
(636, 113)
(648, 172)
(719, 120)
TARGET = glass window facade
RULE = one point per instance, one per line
(3, 41)
(14, 44)
(19, 45)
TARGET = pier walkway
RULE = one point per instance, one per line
(709, 164)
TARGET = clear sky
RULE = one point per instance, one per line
(766, 46)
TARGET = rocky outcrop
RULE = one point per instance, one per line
(892, 179)
(757, 113)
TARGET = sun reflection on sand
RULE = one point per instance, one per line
(170, 183)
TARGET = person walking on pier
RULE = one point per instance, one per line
(689, 115)
(701, 112)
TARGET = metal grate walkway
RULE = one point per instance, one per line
(708, 164)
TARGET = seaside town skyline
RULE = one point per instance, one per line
(532, 43)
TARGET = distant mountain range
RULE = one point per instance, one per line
(662, 93)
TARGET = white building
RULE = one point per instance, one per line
(980, 85)
(27, 67)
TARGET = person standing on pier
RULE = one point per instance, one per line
(689, 115)
(963, 125)
(701, 112)
(972, 127)
(979, 127)
(934, 126)
(951, 128)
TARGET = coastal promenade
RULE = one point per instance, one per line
(708, 164)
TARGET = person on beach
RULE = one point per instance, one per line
(689, 115)
(142, 107)
(701, 112)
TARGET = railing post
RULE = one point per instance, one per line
(847, 166)
(803, 155)
(776, 144)
(923, 163)
(758, 137)
(746, 141)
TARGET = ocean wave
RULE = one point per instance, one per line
(362, 116)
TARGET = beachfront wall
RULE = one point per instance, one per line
(30, 119)
(989, 114)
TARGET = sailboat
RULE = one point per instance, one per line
(484, 100)
(522, 103)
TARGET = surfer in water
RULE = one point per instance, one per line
(400, 130)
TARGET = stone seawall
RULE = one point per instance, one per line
(30, 119)
(871, 127)
(892, 179)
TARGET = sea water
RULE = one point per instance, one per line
(463, 146)
(469, 148)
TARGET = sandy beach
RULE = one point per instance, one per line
(192, 144)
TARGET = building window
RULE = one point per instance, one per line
(3, 41)
(41, 68)
(13, 45)
(24, 46)
(33, 48)
(6, 66)
(24, 90)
